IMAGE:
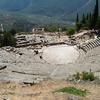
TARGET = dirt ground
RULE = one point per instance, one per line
(45, 91)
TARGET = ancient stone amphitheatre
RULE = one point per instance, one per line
(41, 57)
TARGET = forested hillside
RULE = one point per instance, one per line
(42, 12)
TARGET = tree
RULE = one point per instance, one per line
(8, 40)
(71, 32)
(87, 17)
(97, 10)
(52, 28)
(77, 19)
(78, 24)
(95, 15)
(98, 24)
(91, 21)
(12, 31)
(83, 19)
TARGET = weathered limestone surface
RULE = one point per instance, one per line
(33, 64)
(28, 67)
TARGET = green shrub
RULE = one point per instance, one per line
(7, 39)
(78, 26)
(77, 76)
(88, 76)
(52, 28)
(85, 76)
(71, 32)
(12, 31)
(73, 90)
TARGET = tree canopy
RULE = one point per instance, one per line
(90, 20)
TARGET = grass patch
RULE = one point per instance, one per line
(74, 91)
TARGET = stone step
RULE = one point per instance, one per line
(91, 45)
(87, 47)
(84, 48)
(97, 43)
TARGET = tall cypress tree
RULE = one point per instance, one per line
(90, 21)
(97, 9)
(87, 17)
(83, 19)
(95, 15)
(78, 25)
(77, 19)
(90, 16)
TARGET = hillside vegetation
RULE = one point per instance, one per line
(37, 12)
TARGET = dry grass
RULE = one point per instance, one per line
(44, 91)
